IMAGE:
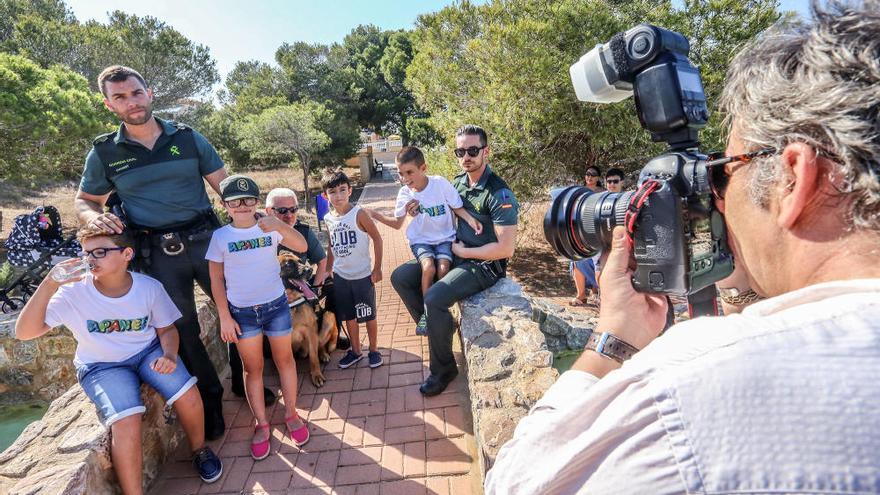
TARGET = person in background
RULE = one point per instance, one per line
(614, 180)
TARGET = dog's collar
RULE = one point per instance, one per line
(297, 302)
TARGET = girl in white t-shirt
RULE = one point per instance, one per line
(247, 287)
(432, 201)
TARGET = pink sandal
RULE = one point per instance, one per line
(300, 435)
(260, 450)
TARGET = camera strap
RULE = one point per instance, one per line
(636, 203)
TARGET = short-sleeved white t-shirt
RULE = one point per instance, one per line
(111, 329)
(434, 224)
(250, 264)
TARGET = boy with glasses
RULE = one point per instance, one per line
(123, 323)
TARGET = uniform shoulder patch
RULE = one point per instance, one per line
(103, 137)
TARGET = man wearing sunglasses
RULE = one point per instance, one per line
(480, 260)
(283, 203)
(614, 180)
(781, 398)
(158, 169)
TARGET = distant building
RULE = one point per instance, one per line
(380, 144)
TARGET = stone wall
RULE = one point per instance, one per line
(39, 369)
(509, 341)
(67, 452)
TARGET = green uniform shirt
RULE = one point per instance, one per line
(159, 187)
(490, 201)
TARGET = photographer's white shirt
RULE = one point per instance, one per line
(250, 264)
(783, 398)
(433, 225)
(111, 329)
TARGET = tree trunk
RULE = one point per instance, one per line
(305, 165)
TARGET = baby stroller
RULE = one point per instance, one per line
(36, 243)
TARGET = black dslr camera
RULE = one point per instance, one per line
(679, 237)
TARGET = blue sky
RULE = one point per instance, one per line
(237, 30)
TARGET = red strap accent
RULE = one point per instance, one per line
(636, 203)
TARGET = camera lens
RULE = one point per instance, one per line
(579, 222)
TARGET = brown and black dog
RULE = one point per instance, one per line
(314, 336)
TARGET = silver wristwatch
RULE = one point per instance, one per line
(738, 297)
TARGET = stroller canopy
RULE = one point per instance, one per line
(36, 233)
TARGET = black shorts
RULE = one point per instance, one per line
(355, 299)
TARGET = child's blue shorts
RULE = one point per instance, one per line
(442, 251)
(115, 388)
(271, 318)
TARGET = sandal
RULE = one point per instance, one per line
(577, 302)
(260, 450)
(300, 435)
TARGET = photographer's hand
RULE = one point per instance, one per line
(638, 318)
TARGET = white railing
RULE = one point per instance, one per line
(383, 145)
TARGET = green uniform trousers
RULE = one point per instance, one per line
(466, 278)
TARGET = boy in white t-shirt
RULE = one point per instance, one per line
(247, 287)
(123, 323)
(431, 201)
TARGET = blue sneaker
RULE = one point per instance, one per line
(375, 359)
(349, 359)
(208, 465)
(422, 326)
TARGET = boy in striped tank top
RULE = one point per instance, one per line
(351, 230)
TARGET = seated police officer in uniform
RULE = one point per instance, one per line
(158, 169)
(480, 260)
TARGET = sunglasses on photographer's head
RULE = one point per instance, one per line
(718, 176)
(235, 203)
(472, 152)
(284, 211)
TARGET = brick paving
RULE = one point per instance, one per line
(372, 432)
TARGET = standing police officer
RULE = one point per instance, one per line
(156, 168)
(480, 260)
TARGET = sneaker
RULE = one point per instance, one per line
(422, 326)
(207, 464)
(349, 359)
(375, 359)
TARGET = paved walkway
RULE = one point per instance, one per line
(372, 432)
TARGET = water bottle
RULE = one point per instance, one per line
(68, 270)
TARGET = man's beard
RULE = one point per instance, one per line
(148, 114)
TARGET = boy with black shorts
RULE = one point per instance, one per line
(351, 230)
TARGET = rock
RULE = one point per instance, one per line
(24, 352)
(495, 429)
(16, 377)
(540, 359)
(84, 435)
(63, 345)
(22, 442)
(576, 337)
(4, 358)
(554, 325)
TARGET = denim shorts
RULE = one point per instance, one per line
(115, 388)
(271, 318)
(442, 251)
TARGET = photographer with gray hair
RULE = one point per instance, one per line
(783, 397)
